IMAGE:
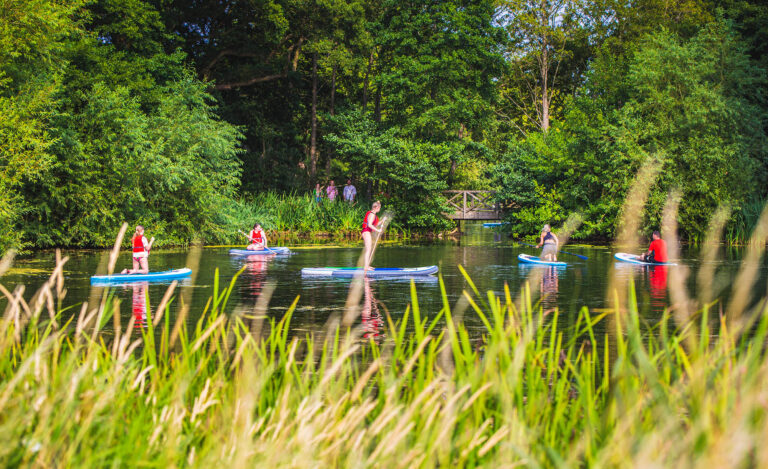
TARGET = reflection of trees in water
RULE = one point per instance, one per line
(373, 323)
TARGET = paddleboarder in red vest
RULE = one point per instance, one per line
(370, 224)
(657, 251)
(141, 249)
(258, 239)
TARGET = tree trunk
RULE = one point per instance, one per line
(313, 134)
(333, 88)
(365, 82)
(544, 69)
(377, 109)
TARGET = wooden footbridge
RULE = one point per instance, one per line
(473, 205)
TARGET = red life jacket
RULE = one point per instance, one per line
(138, 244)
(256, 236)
(365, 221)
(659, 248)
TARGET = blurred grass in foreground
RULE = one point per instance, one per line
(79, 388)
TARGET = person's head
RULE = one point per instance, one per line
(331, 181)
(656, 235)
(376, 206)
(139, 230)
(349, 182)
(546, 229)
(256, 226)
(317, 186)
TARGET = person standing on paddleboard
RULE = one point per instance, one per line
(657, 251)
(141, 249)
(370, 224)
(549, 241)
(258, 239)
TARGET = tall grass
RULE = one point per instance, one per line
(236, 388)
(297, 214)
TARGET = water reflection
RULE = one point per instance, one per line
(650, 282)
(255, 275)
(658, 281)
(549, 284)
(373, 323)
(140, 291)
(547, 279)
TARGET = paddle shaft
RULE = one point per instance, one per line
(564, 252)
(376, 241)
(249, 239)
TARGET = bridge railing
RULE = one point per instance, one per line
(473, 205)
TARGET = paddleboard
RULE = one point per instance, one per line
(378, 272)
(535, 260)
(123, 278)
(635, 259)
(495, 224)
(246, 252)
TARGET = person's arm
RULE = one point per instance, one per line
(369, 221)
(264, 237)
(557, 240)
(541, 240)
(147, 245)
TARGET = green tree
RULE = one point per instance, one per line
(31, 64)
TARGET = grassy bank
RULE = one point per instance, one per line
(81, 388)
(296, 215)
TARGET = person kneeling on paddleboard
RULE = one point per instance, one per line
(549, 241)
(657, 251)
(258, 239)
(141, 249)
(370, 224)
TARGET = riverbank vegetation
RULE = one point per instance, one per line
(84, 387)
(167, 113)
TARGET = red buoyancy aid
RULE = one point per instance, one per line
(138, 244)
(365, 221)
(256, 236)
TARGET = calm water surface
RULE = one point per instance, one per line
(490, 264)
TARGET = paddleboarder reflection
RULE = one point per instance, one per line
(658, 280)
(256, 268)
(139, 303)
(371, 317)
(549, 287)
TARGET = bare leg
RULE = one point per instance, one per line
(144, 266)
(134, 270)
(367, 250)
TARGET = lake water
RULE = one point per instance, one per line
(489, 262)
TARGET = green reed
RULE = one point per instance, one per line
(294, 213)
(79, 388)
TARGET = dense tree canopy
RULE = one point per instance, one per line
(164, 111)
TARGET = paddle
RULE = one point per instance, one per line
(249, 238)
(376, 241)
(564, 252)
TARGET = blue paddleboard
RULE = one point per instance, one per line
(123, 278)
(535, 260)
(246, 252)
(635, 259)
(378, 272)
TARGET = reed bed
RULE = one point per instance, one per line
(295, 214)
(80, 388)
